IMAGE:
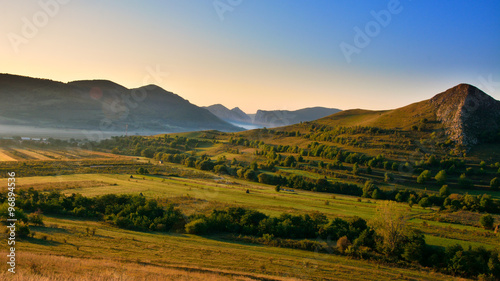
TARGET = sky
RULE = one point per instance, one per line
(261, 54)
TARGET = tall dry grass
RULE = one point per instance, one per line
(41, 267)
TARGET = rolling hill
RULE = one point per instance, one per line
(464, 113)
(100, 105)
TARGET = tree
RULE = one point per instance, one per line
(376, 194)
(388, 177)
(424, 202)
(487, 221)
(390, 224)
(464, 182)
(355, 169)
(369, 170)
(424, 176)
(277, 188)
(444, 191)
(495, 183)
(148, 152)
(289, 161)
(441, 177)
(368, 189)
(250, 175)
(36, 218)
(414, 247)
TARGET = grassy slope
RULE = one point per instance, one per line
(131, 251)
(202, 195)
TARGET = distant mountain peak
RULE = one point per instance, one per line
(466, 112)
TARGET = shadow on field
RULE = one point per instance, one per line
(44, 242)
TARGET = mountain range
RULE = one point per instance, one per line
(269, 118)
(464, 113)
(100, 105)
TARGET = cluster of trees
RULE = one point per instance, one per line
(125, 211)
(149, 146)
(475, 203)
(386, 238)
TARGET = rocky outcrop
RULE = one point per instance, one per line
(467, 113)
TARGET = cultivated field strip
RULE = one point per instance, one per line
(33, 154)
(6, 157)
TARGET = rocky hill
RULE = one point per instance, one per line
(464, 113)
(467, 113)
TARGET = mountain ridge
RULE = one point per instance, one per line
(100, 105)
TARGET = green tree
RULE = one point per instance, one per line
(390, 223)
(424, 176)
(464, 182)
(441, 177)
(355, 169)
(36, 218)
(487, 221)
(250, 175)
(147, 152)
(424, 202)
(444, 191)
(377, 194)
(368, 189)
(198, 226)
(388, 177)
(289, 161)
(277, 188)
(495, 183)
(369, 170)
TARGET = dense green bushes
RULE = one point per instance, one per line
(125, 211)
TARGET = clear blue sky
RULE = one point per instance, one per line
(281, 54)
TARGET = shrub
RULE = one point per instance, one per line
(343, 243)
(495, 183)
(424, 176)
(198, 226)
(444, 191)
(487, 221)
(441, 177)
(36, 218)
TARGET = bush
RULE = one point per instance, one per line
(487, 221)
(464, 182)
(444, 191)
(441, 177)
(36, 218)
(424, 176)
(198, 226)
(495, 183)
(343, 243)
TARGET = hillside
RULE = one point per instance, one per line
(100, 105)
(276, 118)
(464, 113)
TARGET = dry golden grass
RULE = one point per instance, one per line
(33, 154)
(42, 267)
(61, 185)
(6, 157)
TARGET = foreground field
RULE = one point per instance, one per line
(201, 195)
(62, 250)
